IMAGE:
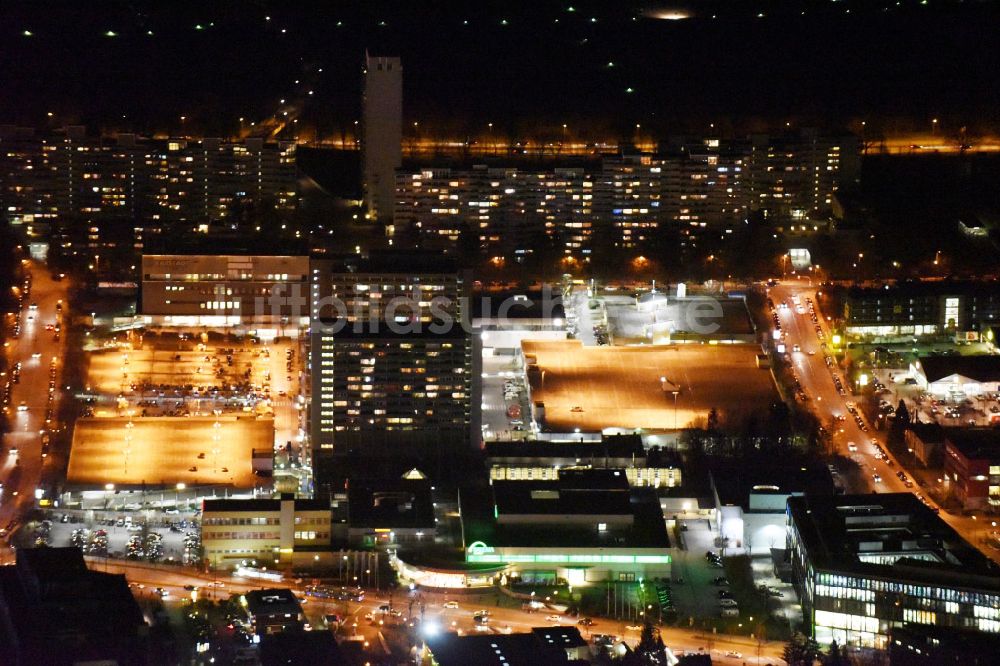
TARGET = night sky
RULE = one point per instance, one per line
(525, 66)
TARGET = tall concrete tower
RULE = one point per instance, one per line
(382, 139)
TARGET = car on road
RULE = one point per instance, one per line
(36, 355)
(852, 447)
(23, 407)
(553, 618)
(450, 604)
(876, 477)
(586, 622)
(733, 654)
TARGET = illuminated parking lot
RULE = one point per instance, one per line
(592, 388)
(168, 451)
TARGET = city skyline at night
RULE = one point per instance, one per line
(648, 333)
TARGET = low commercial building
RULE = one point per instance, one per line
(588, 526)
(957, 377)
(567, 639)
(266, 294)
(864, 565)
(972, 467)
(54, 610)
(926, 442)
(542, 460)
(545, 645)
(273, 611)
(504, 319)
(751, 500)
(283, 532)
(390, 513)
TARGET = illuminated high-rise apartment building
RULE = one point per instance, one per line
(393, 366)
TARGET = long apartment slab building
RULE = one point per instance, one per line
(690, 183)
(49, 180)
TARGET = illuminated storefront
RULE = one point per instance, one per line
(577, 566)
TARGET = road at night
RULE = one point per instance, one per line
(817, 382)
(173, 580)
(33, 391)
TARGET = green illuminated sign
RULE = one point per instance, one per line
(480, 552)
(477, 548)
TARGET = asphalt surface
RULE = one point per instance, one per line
(502, 620)
(33, 389)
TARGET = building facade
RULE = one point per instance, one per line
(269, 532)
(578, 206)
(70, 174)
(393, 360)
(972, 467)
(964, 309)
(587, 526)
(866, 564)
(225, 290)
(382, 140)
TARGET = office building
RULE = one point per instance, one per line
(268, 294)
(968, 310)
(864, 565)
(394, 364)
(926, 442)
(271, 532)
(972, 467)
(56, 611)
(382, 139)
(927, 645)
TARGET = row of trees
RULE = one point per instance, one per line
(804, 651)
